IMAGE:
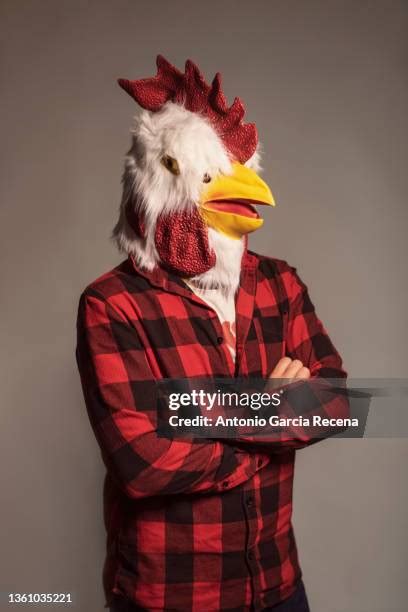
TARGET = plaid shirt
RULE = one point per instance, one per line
(194, 524)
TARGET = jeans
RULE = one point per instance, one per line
(296, 603)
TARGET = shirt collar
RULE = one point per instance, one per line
(168, 281)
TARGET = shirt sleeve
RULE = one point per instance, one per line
(324, 395)
(306, 336)
(118, 386)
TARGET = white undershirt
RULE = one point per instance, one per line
(224, 306)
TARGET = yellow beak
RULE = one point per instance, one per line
(227, 204)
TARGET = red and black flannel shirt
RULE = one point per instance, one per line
(194, 524)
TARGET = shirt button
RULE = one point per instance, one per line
(260, 462)
(220, 339)
(250, 502)
(225, 484)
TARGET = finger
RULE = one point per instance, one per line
(280, 367)
(293, 368)
(303, 373)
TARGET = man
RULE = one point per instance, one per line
(195, 524)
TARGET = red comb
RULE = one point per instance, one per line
(191, 90)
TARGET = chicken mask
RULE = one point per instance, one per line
(190, 186)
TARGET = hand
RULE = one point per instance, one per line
(290, 368)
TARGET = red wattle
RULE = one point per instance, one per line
(181, 241)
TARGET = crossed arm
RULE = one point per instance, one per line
(118, 387)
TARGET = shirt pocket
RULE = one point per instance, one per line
(271, 342)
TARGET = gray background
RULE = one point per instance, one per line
(326, 83)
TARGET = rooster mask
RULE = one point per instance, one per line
(190, 182)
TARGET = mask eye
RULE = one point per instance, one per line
(171, 164)
(206, 178)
